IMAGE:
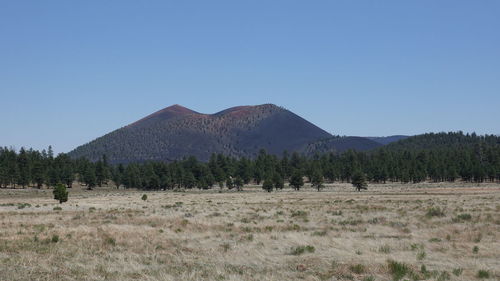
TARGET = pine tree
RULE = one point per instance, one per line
(268, 185)
(117, 176)
(278, 181)
(238, 183)
(89, 177)
(359, 180)
(317, 180)
(60, 193)
(296, 181)
(24, 168)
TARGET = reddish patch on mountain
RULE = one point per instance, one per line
(173, 111)
(237, 111)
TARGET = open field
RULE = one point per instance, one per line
(391, 232)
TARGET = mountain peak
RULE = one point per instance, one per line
(172, 111)
(178, 108)
(175, 132)
(246, 109)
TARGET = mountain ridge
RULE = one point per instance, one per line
(175, 132)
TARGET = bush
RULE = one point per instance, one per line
(302, 249)
(357, 268)
(144, 197)
(60, 193)
(110, 241)
(386, 249)
(55, 238)
(475, 249)
(398, 270)
(421, 255)
(483, 274)
(57, 209)
(462, 218)
(457, 271)
(435, 212)
(299, 213)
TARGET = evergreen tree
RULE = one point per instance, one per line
(296, 181)
(229, 183)
(89, 177)
(359, 180)
(60, 193)
(268, 185)
(238, 183)
(317, 180)
(117, 176)
(24, 168)
(278, 181)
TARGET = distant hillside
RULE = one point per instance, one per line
(388, 139)
(443, 141)
(338, 144)
(176, 132)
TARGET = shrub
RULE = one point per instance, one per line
(475, 249)
(302, 249)
(299, 213)
(435, 212)
(144, 197)
(110, 241)
(464, 217)
(23, 205)
(457, 271)
(57, 209)
(421, 255)
(369, 278)
(319, 233)
(386, 249)
(55, 238)
(60, 193)
(483, 274)
(398, 270)
(444, 276)
(357, 268)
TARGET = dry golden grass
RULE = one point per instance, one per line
(336, 234)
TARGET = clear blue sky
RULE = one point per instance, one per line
(71, 71)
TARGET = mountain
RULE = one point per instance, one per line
(388, 139)
(176, 132)
(450, 140)
(338, 144)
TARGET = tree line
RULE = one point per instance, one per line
(451, 157)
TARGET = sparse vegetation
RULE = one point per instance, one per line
(302, 249)
(483, 274)
(207, 235)
(435, 212)
(398, 270)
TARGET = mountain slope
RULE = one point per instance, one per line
(176, 132)
(443, 141)
(388, 139)
(338, 144)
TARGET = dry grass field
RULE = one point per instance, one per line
(390, 232)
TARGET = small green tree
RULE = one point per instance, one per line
(279, 183)
(317, 180)
(144, 197)
(359, 181)
(60, 193)
(229, 183)
(296, 181)
(238, 183)
(268, 185)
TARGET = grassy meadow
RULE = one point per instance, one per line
(390, 232)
